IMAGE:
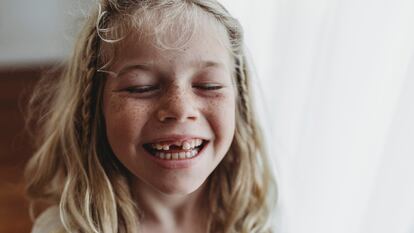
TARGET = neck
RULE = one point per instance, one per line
(171, 212)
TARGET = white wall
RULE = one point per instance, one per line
(38, 31)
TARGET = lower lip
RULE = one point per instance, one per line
(178, 163)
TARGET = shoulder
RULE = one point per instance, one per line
(48, 221)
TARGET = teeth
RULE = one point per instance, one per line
(186, 145)
(176, 156)
(188, 154)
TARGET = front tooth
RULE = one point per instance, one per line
(168, 156)
(158, 146)
(162, 155)
(166, 147)
(193, 143)
(186, 145)
(188, 154)
(182, 155)
(175, 155)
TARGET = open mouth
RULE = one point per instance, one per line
(176, 151)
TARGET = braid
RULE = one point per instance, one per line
(243, 89)
(88, 84)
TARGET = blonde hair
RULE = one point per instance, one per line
(74, 166)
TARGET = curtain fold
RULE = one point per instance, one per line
(337, 81)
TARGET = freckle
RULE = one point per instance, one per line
(141, 109)
(213, 103)
(116, 104)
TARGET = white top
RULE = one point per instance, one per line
(48, 221)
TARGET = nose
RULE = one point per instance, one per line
(177, 105)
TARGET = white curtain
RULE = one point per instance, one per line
(337, 101)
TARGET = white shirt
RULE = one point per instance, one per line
(48, 221)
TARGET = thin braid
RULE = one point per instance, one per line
(244, 90)
(86, 116)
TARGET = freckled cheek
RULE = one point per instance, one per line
(221, 114)
(124, 120)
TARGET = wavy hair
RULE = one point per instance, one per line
(73, 165)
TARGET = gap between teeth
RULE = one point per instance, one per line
(186, 145)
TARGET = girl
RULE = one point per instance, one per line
(150, 126)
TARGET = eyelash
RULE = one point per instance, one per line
(140, 89)
(209, 87)
(148, 88)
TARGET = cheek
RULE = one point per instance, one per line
(124, 120)
(224, 114)
(222, 118)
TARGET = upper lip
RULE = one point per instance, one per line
(174, 138)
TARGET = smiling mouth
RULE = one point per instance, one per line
(179, 151)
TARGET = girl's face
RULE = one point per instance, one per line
(170, 114)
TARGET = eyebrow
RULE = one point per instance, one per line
(207, 64)
(142, 66)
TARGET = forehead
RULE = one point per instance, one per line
(176, 43)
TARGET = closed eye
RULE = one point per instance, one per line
(141, 89)
(208, 86)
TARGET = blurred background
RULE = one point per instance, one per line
(334, 90)
(34, 35)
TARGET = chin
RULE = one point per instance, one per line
(178, 187)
